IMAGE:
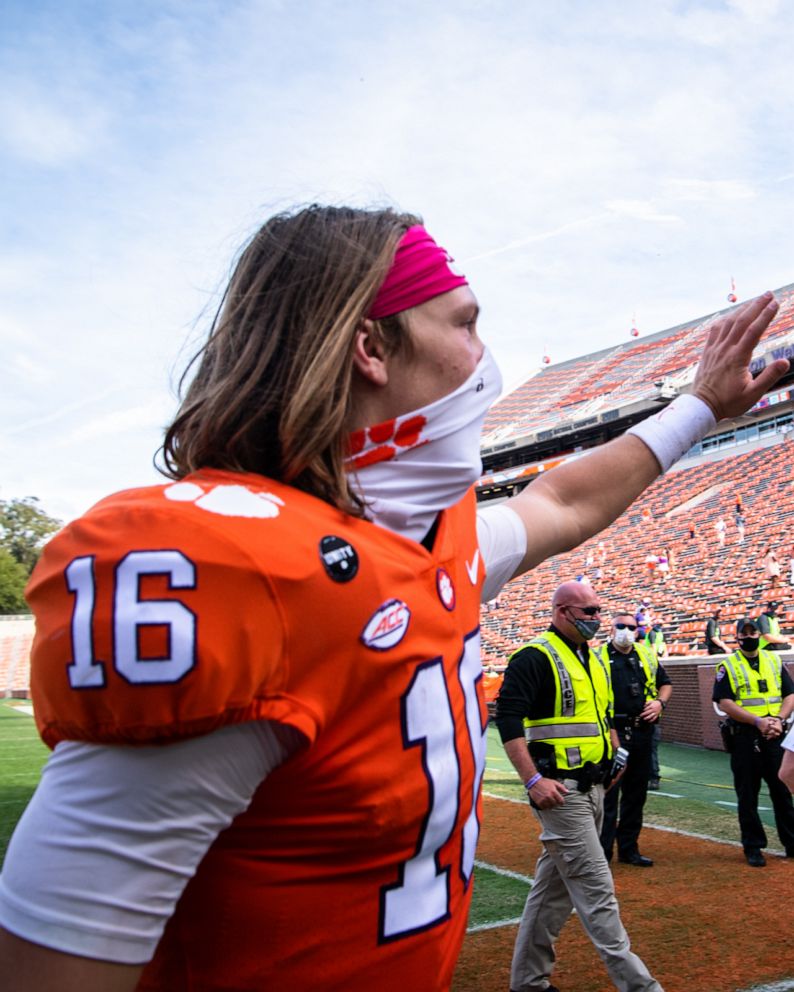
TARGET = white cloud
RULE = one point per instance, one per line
(760, 11)
(45, 128)
(115, 422)
(643, 210)
(59, 412)
(709, 189)
(31, 372)
(583, 162)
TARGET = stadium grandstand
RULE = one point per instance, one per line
(566, 409)
(576, 405)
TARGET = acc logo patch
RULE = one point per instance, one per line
(387, 626)
(446, 590)
(339, 558)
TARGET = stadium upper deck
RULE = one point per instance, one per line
(586, 401)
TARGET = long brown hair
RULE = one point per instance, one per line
(272, 390)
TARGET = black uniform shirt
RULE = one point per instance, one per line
(628, 682)
(529, 688)
(723, 690)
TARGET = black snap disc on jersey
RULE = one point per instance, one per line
(339, 558)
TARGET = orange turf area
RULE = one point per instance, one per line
(701, 919)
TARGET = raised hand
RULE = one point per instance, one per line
(723, 378)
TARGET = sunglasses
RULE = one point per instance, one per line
(625, 626)
(589, 611)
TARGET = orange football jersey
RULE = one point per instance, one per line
(168, 611)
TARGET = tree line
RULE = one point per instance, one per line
(24, 529)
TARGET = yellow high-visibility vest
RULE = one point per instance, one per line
(745, 682)
(578, 729)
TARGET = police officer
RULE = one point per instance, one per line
(655, 640)
(756, 692)
(560, 690)
(769, 625)
(641, 690)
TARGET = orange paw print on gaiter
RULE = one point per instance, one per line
(382, 442)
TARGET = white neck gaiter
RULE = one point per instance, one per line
(409, 469)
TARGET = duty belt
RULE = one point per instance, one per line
(586, 777)
(632, 722)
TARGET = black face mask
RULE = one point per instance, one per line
(587, 628)
(748, 643)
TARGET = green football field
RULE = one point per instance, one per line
(696, 796)
(21, 757)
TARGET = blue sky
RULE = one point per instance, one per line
(584, 163)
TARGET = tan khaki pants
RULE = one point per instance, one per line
(572, 873)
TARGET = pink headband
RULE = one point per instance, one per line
(419, 272)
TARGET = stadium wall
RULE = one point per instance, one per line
(690, 718)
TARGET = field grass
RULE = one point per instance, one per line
(21, 758)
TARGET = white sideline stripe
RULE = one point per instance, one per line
(723, 802)
(504, 871)
(787, 985)
(22, 709)
(506, 799)
(493, 926)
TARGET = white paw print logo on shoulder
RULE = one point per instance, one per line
(226, 500)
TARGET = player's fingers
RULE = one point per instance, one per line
(767, 379)
(720, 331)
(753, 321)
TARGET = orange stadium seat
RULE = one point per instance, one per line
(704, 575)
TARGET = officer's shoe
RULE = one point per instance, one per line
(636, 859)
(755, 859)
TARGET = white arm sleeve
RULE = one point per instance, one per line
(112, 835)
(788, 740)
(502, 538)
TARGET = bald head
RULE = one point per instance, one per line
(568, 604)
(574, 594)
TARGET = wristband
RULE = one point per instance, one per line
(757, 721)
(532, 781)
(664, 704)
(671, 432)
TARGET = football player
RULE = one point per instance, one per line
(261, 679)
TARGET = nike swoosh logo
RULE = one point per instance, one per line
(473, 567)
